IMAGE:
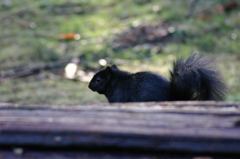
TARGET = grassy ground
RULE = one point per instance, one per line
(30, 35)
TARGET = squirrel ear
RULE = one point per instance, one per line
(108, 69)
(114, 67)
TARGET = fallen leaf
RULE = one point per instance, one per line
(70, 36)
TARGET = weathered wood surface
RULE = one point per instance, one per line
(177, 127)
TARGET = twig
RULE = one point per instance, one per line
(18, 73)
(191, 7)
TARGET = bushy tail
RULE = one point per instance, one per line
(196, 79)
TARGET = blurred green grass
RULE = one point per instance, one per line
(29, 32)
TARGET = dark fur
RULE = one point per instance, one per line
(191, 79)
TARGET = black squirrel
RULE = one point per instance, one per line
(191, 79)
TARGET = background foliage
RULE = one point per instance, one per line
(137, 35)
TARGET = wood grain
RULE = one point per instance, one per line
(192, 127)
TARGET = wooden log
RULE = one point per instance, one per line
(185, 127)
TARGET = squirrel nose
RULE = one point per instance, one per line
(91, 87)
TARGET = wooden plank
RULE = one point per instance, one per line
(17, 153)
(196, 127)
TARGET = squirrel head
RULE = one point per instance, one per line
(101, 79)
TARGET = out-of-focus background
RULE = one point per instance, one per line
(49, 49)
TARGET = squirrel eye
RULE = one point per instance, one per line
(98, 80)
